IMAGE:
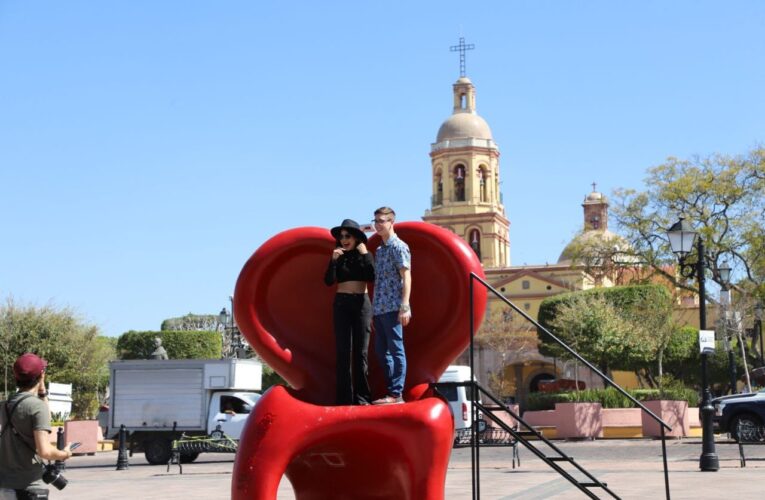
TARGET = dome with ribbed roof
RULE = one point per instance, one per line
(464, 126)
(590, 239)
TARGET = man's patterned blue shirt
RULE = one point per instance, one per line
(391, 256)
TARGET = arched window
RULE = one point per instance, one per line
(475, 242)
(438, 194)
(459, 183)
(483, 184)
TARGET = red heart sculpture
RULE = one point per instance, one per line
(284, 309)
(398, 451)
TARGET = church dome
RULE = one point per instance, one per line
(464, 126)
(593, 238)
(595, 197)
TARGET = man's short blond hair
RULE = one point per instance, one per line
(386, 211)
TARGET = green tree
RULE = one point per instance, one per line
(506, 333)
(75, 352)
(650, 317)
(179, 345)
(605, 256)
(614, 328)
(722, 196)
(191, 322)
(270, 378)
(593, 328)
(681, 354)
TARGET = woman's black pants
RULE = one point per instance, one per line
(353, 325)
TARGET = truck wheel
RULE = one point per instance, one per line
(749, 425)
(188, 457)
(158, 451)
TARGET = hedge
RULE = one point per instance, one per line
(609, 397)
(178, 344)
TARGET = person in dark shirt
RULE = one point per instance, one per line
(25, 432)
(351, 267)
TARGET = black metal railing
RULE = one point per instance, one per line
(530, 431)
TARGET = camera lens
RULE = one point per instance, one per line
(51, 475)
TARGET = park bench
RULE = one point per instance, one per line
(488, 436)
(749, 434)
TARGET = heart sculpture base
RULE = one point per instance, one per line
(396, 451)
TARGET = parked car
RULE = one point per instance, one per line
(746, 409)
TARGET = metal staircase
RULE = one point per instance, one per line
(524, 433)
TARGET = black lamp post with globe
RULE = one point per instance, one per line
(233, 346)
(682, 239)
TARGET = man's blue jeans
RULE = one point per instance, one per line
(389, 346)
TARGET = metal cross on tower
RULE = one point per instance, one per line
(462, 48)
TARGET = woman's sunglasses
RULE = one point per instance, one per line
(345, 236)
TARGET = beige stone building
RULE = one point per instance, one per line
(465, 198)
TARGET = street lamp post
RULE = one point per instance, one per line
(681, 238)
(231, 337)
(223, 318)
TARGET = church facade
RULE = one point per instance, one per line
(466, 199)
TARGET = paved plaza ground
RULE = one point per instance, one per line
(632, 469)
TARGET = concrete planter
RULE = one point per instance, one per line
(541, 418)
(505, 417)
(694, 420)
(86, 432)
(579, 420)
(674, 413)
(622, 423)
(544, 421)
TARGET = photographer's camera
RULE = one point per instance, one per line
(53, 476)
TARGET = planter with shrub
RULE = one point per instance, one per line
(671, 404)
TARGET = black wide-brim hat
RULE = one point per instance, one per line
(352, 227)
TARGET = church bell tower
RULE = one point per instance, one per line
(465, 177)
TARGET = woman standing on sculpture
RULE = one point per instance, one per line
(351, 267)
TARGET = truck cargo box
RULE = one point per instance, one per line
(157, 394)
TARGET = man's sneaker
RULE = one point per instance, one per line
(388, 400)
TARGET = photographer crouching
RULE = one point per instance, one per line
(25, 435)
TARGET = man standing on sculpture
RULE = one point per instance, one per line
(393, 284)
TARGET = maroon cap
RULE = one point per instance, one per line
(28, 367)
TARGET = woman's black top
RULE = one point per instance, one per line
(351, 266)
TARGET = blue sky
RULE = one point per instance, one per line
(148, 148)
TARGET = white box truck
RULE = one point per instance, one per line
(157, 400)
